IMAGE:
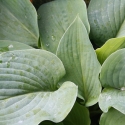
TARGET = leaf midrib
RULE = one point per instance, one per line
(21, 24)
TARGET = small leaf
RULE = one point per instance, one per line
(28, 88)
(112, 117)
(80, 61)
(107, 20)
(7, 45)
(112, 98)
(18, 22)
(109, 47)
(113, 70)
(55, 17)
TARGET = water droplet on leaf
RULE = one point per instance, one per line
(39, 16)
(10, 46)
(47, 45)
(123, 88)
(53, 38)
(108, 98)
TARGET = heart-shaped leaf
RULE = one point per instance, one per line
(112, 98)
(109, 47)
(113, 70)
(112, 117)
(80, 61)
(107, 20)
(28, 88)
(54, 19)
(18, 21)
(7, 45)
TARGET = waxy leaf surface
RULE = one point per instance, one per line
(112, 117)
(18, 22)
(80, 61)
(113, 70)
(7, 45)
(107, 20)
(112, 98)
(55, 17)
(28, 88)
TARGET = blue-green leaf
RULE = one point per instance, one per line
(112, 117)
(107, 20)
(28, 88)
(18, 22)
(55, 17)
(80, 61)
(7, 45)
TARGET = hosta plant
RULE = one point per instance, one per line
(50, 73)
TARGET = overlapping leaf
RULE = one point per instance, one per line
(7, 45)
(107, 20)
(55, 17)
(112, 77)
(113, 70)
(80, 61)
(18, 21)
(28, 88)
(79, 115)
(112, 98)
(109, 47)
(112, 117)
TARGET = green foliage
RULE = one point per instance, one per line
(57, 83)
(113, 117)
(50, 15)
(73, 49)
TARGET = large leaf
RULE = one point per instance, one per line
(109, 47)
(7, 45)
(18, 21)
(28, 88)
(107, 19)
(112, 117)
(80, 61)
(112, 98)
(79, 115)
(55, 17)
(113, 70)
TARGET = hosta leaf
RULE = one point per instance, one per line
(112, 117)
(28, 88)
(18, 21)
(107, 19)
(109, 47)
(80, 61)
(113, 70)
(79, 115)
(112, 98)
(7, 45)
(54, 19)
